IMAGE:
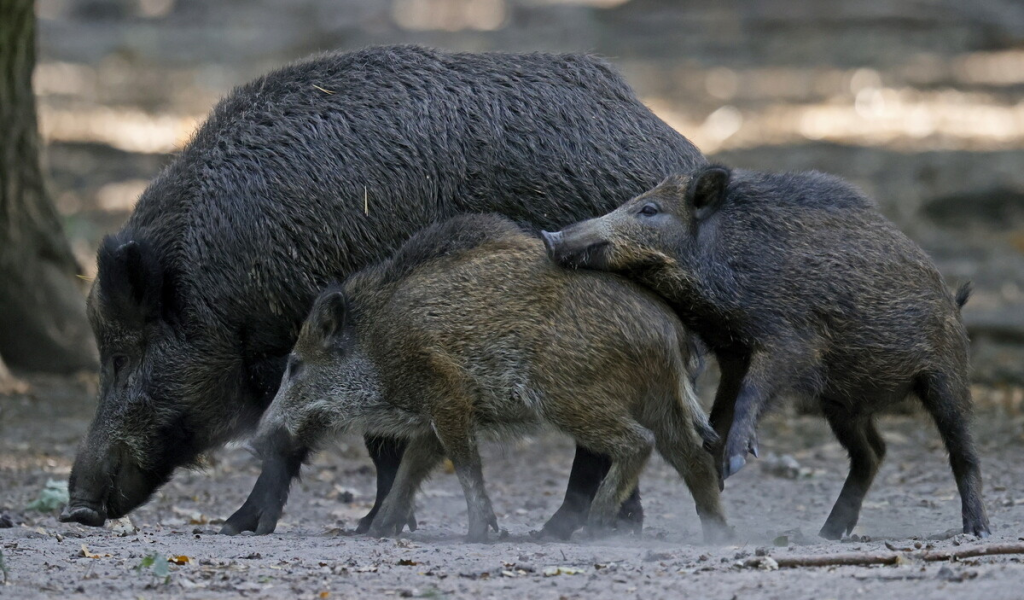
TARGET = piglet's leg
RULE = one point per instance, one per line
(386, 453)
(733, 369)
(421, 456)
(866, 448)
(755, 390)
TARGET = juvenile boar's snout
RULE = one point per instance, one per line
(552, 240)
(575, 248)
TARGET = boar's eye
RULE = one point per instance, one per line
(119, 361)
(649, 210)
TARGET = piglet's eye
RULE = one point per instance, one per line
(649, 210)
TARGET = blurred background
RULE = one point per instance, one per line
(919, 103)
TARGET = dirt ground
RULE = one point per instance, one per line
(315, 554)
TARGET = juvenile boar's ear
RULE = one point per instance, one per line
(329, 315)
(130, 278)
(707, 190)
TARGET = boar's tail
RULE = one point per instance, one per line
(963, 294)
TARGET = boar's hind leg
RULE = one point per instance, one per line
(857, 433)
(386, 454)
(422, 454)
(950, 406)
(678, 442)
(282, 461)
(629, 446)
(588, 471)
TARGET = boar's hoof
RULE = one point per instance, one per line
(631, 516)
(562, 524)
(82, 514)
(979, 528)
(733, 466)
(831, 531)
(250, 518)
(366, 522)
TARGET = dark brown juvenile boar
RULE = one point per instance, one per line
(470, 329)
(798, 284)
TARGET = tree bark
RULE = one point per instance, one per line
(42, 310)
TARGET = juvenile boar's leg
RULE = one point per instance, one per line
(588, 470)
(422, 454)
(629, 446)
(950, 406)
(262, 509)
(733, 370)
(463, 451)
(386, 454)
(866, 448)
(681, 446)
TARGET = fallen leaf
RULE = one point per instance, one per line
(553, 571)
(86, 554)
(324, 594)
(405, 562)
(181, 559)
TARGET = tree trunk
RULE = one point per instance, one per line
(42, 309)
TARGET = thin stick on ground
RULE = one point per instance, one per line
(888, 558)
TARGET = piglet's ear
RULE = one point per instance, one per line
(706, 190)
(130, 279)
(329, 315)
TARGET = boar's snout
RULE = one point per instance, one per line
(106, 486)
(575, 247)
(84, 514)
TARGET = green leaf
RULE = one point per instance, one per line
(53, 496)
(161, 568)
(158, 564)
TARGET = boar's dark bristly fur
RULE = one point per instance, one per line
(798, 284)
(306, 175)
(469, 329)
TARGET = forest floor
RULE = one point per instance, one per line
(775, 509)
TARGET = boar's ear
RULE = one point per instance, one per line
(130, 279)
(707, 190)
(329, 315)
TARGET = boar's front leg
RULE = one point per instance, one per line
(282, 461)
(386, 454)
(752, 394)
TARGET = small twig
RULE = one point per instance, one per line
(969, 552)
(328, 92)
(868, 558)
(366, 201)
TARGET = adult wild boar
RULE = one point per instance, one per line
(304, 176)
